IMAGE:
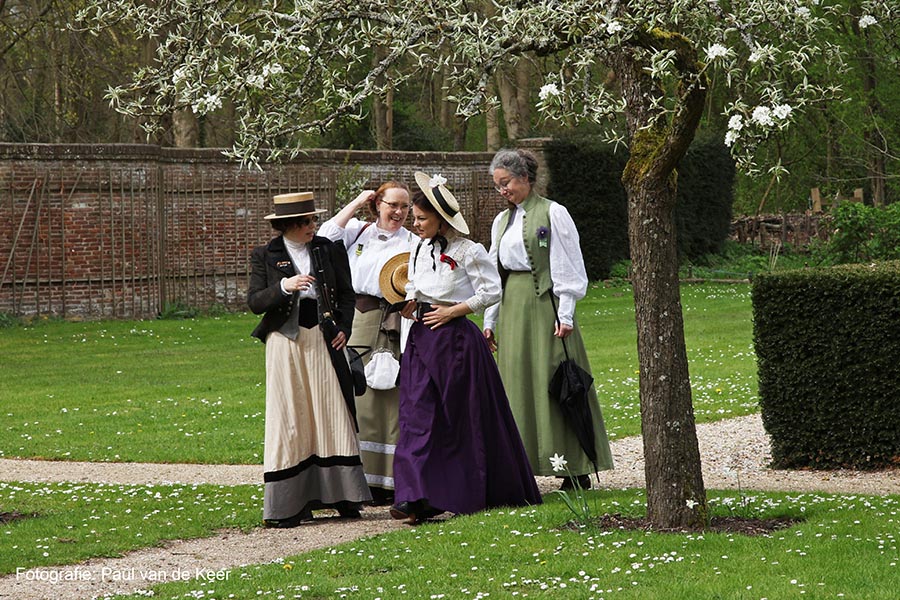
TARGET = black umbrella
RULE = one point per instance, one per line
(570, 386)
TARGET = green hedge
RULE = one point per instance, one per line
(585, 176)
(828, 348)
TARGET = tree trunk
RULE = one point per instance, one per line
(510, 103)
(459, 134)
(185, 128)
(445, 105)
(875, 144)
(383, 108)
(523, 96)
(492, 122)
(676, 497)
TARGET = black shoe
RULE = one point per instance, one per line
(584, 482)
(381, 496)
(414, 512)
(401, 510)
(348, 510)
(304, 516)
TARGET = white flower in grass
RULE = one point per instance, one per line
(548, 90)
(613, 27)
(559, 462)
(437, 180)
(691, 503)
(867, 21)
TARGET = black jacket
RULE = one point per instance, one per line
(270, 264)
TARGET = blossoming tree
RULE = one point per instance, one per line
(638, 67)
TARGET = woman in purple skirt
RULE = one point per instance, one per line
(459, 450)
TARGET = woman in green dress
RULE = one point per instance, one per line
(535, 246)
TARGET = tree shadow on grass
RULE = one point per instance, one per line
(749, 526)
(9, 517)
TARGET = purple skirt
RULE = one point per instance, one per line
(459, 447)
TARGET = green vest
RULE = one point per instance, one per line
(537, 216)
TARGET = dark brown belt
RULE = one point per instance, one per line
(423, 308)
(365, 303)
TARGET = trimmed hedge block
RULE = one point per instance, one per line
(828, 350)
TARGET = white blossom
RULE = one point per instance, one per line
(272, 69)
(179, 75)
(716, 51)
(257, 81)
(782, 111)
(548, 90)
(559, 462)
(731, 137)
(691, 503)
(437, 180)
(209, 102)
(736, 122)
(613, 27)
(802, 12)
(762, 115)
(867, 21)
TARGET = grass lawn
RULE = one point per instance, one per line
(193, 390)
(69, 522)
(845, 547)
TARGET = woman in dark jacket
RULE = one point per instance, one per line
(301, 284)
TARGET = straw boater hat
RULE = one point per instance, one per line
(443, 202)
(393, 278)
(294, 205)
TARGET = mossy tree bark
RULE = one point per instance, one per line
(676, 497)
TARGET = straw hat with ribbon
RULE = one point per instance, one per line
(298, 204)
(442, 200)
(393, 278)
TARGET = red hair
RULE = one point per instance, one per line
(380, 192)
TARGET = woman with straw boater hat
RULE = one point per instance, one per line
(371, 245)
(459, 450)
(300, 283)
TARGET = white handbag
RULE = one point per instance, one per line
(382, 370)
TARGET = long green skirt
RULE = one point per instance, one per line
(376, 410)
(528, 355)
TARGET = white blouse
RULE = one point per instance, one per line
(367, 251)
(299, 254)
(473, 278)
(566, 262)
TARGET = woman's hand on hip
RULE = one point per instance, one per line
(409, 310)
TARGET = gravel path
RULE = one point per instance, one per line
(732, 449)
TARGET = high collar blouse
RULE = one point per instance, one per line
(367, 250)
(463, 272)
(299, 253)
(566, 262)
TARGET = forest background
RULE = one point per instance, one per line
(54, 81)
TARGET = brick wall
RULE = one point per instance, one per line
(118, 231)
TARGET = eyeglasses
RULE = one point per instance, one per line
(501, 187)
(396, 205)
